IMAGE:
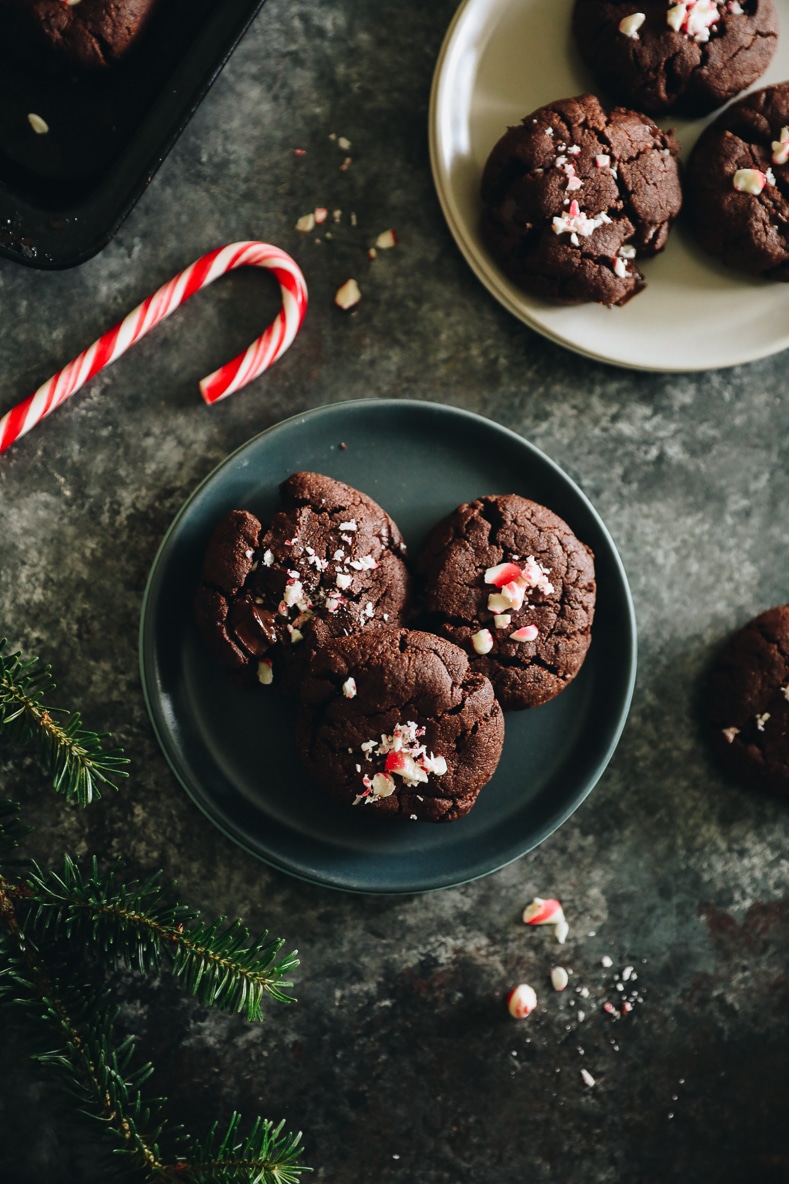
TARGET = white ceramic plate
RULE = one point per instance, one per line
(500, 60)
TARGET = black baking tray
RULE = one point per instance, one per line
(63, 194)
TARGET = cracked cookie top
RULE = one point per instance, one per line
(330, 563)
(396, 723)
(660, 56)
(574, 195)
(747, 702)
(507, 580)
(738, 184)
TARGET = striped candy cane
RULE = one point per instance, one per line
(231, 377)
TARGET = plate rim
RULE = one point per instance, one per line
(501, 295)
(283, 864)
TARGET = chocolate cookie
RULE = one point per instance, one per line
(738, 184)
(574, 194)
(330, 563)
(747, 705)
(691, 57)
(89, 34)
(394, 721)
(507, 580)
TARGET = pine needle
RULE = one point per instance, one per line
(71, 756)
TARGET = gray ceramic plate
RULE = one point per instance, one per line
(233, 751)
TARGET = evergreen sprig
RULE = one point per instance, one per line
(73, 757)
(144, 927)
(64, 1003)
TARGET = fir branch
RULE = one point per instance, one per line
(264, 1156)
(71, 755)
(141, 925)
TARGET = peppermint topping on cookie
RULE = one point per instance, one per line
(730, 733)
(761, 720)
(629, 25)
(752, 180)
(574, 221)
(482, 641)
(781, 147)
(695, 18)
(349, 688)
(405, 756)
(526, 633)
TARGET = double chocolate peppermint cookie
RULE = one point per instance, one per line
(574, 195)
(395, 722)
(659, 56)
(747, 706)
(507, 580)
(738, 184)
(329, 564)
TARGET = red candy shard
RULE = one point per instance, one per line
(502, 574)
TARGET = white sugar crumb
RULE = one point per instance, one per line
(606, 961)
(587, 1076)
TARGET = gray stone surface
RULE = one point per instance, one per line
(399, 1061)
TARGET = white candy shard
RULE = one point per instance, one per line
(383, 785)
(730, 733)
(559, 978)
(587, 1076)
(502, 620)
(521, 1001)
(629, 25)
(265, 671)
(750, 181)
(781, 147)
(347, 295)
(482, 641)
(306, 223)
(343, 579)
(349, 688)
(761, 720)
(525, 633)
(39, 125)
(386, 240)
(606, 961)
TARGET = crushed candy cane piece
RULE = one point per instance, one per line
(780, 147)
(349, 688)
(525, 633)
(265, 671)
(575, 221)
(559, 978)
(602, 160)
(350, 525)
(587, 1077)
(606, 961)
(730, 733)
(498, 603)
(629, 25)
(306, 223)
(383, 785)
(543, 912)
(347, 295)
(751, 181)
(502, 620)
(321, 214)
(386, 240)
(761, 720)
(521, 1001)
(502, 574)
(482, 641)
(620, 268)
(39, 125)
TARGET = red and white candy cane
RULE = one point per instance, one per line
(231, 377)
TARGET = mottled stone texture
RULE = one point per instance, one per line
(400, 1062)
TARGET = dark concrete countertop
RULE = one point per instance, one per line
(399, 1061)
